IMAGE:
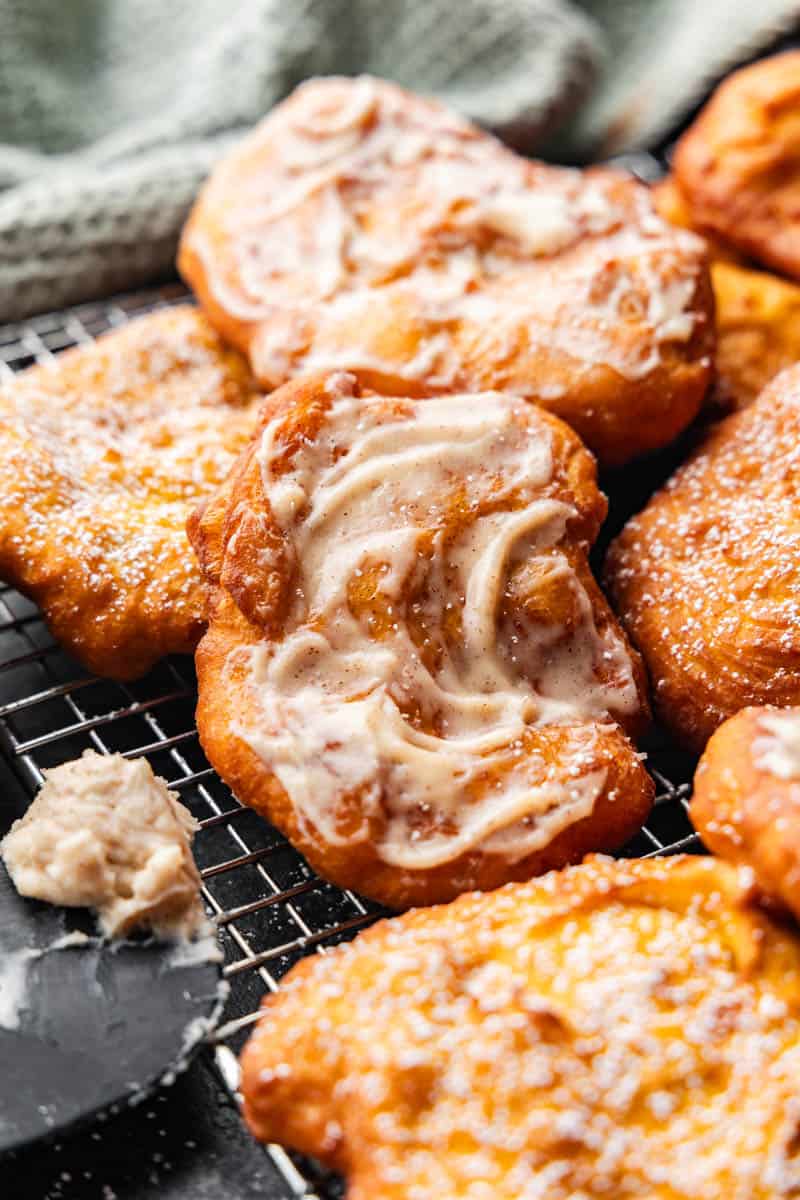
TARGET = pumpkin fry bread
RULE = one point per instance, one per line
(757, 314)
(620, 1028)
(738, 164)
(746, 802)
(706, 578)
(102, 456)
(362, 227)
(409, 668)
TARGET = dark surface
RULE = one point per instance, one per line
(188, 1143)
(98, 1024)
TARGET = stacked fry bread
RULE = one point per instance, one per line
(360, 482)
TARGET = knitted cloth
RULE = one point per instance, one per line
(662, 58)
(113, 111)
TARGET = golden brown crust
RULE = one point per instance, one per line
(255, 574)
(561, 287)
(623, 1029)
(758, 331)
(757, 315)
(223, 702)
(746, 802)
(102, 457)
(738, 165)
(670, 203)
(707, 577)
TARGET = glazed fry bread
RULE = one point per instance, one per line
(707, 577)
(409, 668)
(746, 803)
(362, 227)
(626, 1029)
(102, 457)
(738, 165)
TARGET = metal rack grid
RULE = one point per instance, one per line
(270, 906)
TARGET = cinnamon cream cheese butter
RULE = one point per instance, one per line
(105, 833)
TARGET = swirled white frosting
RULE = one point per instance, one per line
(355, 207)
(407, 716)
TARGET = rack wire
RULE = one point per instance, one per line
(270, 907)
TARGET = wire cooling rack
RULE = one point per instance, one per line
(271, 908)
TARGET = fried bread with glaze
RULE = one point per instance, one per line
(626, 1029)
(706, 578)
(103, 454)
(409, 668)
(362, 227)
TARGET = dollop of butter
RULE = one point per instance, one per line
(105, 833)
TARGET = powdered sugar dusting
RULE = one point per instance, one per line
(707, 577)
(103, 455)
(618, 1029)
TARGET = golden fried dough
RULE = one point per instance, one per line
(363, 227)
(738, 164)
(757, 314)
(102, 457)
(670, 203)
(617, 1029)
(746, 803)
(707, 577)
(409, 668)
(758, 331)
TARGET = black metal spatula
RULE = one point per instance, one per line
(86, 1025)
